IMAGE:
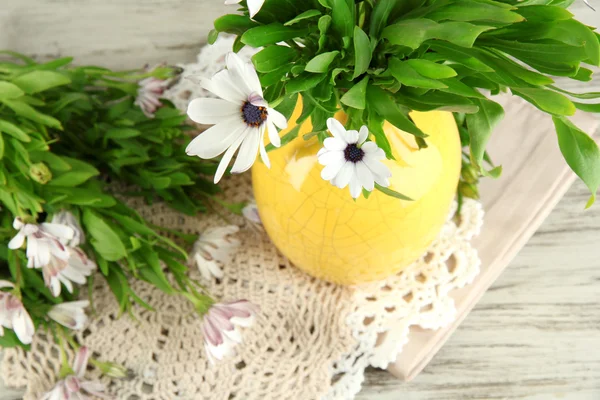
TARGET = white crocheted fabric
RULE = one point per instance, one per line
(312, 339)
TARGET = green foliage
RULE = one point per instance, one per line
(378, 59)
(63, 132)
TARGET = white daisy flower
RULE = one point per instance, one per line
(13, 315)
(70, 314)
(67, 218)
(348, 160)
(254, 6)
(44, 241)
(74, 269)
(220, 327)
(213, 248)
(241, 116)
(73, 386)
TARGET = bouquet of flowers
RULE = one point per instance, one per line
(375, 61)
(70, 136)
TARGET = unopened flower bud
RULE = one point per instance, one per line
(113, 370)
(468, 190)
(40, 173)
(470, 174)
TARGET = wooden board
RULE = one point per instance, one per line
(534, 179)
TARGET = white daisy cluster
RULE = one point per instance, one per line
(241, 117)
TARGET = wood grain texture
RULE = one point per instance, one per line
(535, 335)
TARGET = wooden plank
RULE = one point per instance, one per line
(534, 179)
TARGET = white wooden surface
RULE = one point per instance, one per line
(535, 335)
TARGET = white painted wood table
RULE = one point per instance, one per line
(535, 335)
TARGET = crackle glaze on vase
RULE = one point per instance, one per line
(324, 232)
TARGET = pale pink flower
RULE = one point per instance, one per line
(66, 218)
(73, 387)
(74, 269)
(70, 314)
(44, 241)
(220, 327)
(149, 93)
(13, 315)
(250, 213)
(214, 247)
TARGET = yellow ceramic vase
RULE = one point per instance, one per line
(324, 232)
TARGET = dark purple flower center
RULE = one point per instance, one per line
(253, 115)
(353, 153)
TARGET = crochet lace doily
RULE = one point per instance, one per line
(311, 340)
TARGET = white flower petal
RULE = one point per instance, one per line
(228, 156)
(253, 80)
(372, 150)
(336, 128)
(355, 187)
(378, 169)
(343, 177)
(248, 152)
(23, 325)
(254, 6)
(365, 177)
(333, 143)
(351, 137)
(363, 134)
(17, 241)
(81, 361)
(222, 86)
(6, 284)
(277, 118)
(273, 134)
(239, 73)
(217, 139)
(60, 231)
(263, 151)
(212, 111)
(330, 156)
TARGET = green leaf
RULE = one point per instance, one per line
(581, 153)
(475, 11)
(460, 55)
(546, 100)
(26, 111)
(342, 17)
(379, 16)
(413, 32)
(303, 82)
(270, 34)
(356, 96)
(213, 35)
(481, 125)
(304, 16)
(587, 107)
(79, 173)
(320, 63)
(387, 108)
(431, 69)
(234, 24)
(1, 152)
(362, 52)
(539, 52)
(14, 131)
(583, 96)
(406, 75)
(38, 81)
(10, 91)
(392, 193)
(273, 57)
(102, 237)
(121, 133)
(543, 13)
